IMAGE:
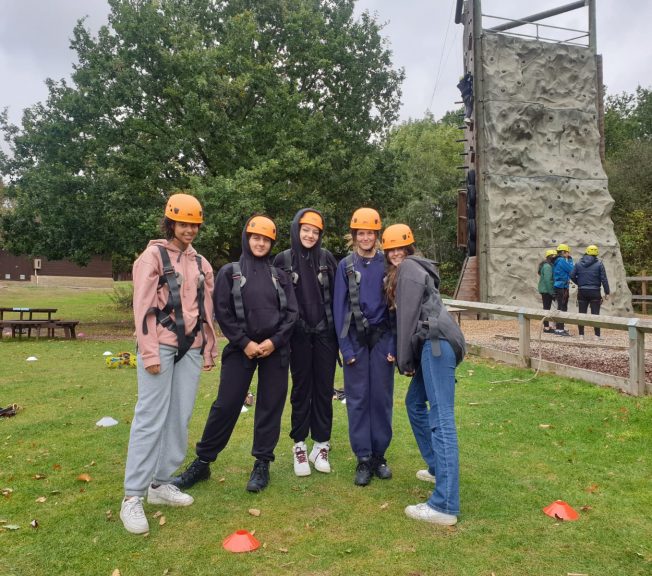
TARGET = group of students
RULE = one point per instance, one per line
(379, 308)
(556, 273)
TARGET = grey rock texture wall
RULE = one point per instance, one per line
(542, 180)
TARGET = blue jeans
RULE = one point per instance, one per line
(434, 428)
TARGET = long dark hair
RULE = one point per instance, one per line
(390, 278)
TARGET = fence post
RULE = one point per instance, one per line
(636, 359)
(524, 340)
(644, 291)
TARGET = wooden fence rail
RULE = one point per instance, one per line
(635, 327)
(643, 298)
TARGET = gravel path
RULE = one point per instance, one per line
(609, 355)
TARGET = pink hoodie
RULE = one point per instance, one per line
(146, 272)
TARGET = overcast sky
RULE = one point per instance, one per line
(425, 41)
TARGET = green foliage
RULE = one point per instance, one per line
(427, 157)
(123, 296)
(628, 135)
(253, 105)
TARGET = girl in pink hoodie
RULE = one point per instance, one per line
(173, 311)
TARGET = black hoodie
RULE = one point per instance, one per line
(260, 300)
(305, 262)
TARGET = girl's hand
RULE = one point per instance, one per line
(409, 373)
(352, 361)
(390, 358)
(208, 367)
(154, 369)
(251, 350)
(265, 348)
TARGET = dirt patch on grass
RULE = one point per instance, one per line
(609, 355)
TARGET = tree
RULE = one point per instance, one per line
(427, 157)
(252, 105)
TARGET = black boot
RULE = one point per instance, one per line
(259, 478)
(380, 468)
(363, 472)
(195, 472)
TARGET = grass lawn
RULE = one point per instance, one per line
(522, 446)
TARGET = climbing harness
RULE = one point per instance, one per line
(176, 323)
(239, 280)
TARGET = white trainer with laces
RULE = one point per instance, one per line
(425, 475)
(301, 464)
(425, 513)
(319, 457)
(133, 515)
(168, 495)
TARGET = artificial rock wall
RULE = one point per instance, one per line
(542, 179)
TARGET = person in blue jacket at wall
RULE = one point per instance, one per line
(313, 346)
(589, 275)
(368, 347)
(562, 269)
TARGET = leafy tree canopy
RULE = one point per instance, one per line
(252, 105)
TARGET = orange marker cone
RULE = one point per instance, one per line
(561, 511)
(240, 541)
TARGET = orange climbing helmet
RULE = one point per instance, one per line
(397, 236)
(184, 208)
(312, 218)
(261, 225)
(365, 219)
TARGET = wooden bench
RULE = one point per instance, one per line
(20, 327)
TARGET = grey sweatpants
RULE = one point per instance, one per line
(159, 431)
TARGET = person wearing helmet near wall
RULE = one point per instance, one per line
(561, 269)
(173, 313)
(368, 347)
(256, 309)
(589, 275)
(313, 345)
(546, 286)
(430, 345)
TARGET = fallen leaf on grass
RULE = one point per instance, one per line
(109, 515)
(254, 511)
(34, 523)
(252, 532)
(41, 499)
(284, 550)
(157, 514)
(384, 506)
(586, 508)
(116, 572)
(91, 464)
(11, 527)
(222, 480)
(592, 488)
(84, 477)
(162, 521)
(56, 466)
(39, 476)
(545, 426)
(575, 574)
(7, 491)
(474, 403)
(55, 491)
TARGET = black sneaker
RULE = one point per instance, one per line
(363, 472)
(380, 468)
(195, 472)
(259, 478)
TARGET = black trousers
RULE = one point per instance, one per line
(235, 377)
(547, 304)
(561, 296)
(312, 364)
(586, 298)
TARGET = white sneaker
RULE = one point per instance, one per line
(169, 495)
(319, 457)
(425, 513)
(425, 475)
(133, 515)
(301, 464)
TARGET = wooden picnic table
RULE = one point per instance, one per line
(23, 320)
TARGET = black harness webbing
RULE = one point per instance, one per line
(236, 292)
(164, 315)
(324, 281)
(361, 323)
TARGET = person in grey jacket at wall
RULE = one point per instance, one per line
(590, 276)
(430, 345)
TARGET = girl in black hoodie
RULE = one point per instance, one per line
(256, 309)
(314, 344)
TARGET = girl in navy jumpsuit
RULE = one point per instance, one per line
(257, 319)
(313, 345)
(368, 347)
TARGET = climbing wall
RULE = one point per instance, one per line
(541, 179)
